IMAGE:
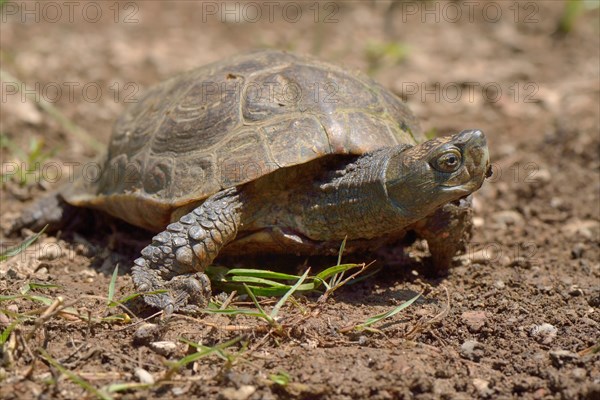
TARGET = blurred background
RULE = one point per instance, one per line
(510, 68)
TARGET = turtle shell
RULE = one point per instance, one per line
(231, 122)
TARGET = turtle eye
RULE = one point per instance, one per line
(449, 161)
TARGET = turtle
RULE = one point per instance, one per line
(271, 152)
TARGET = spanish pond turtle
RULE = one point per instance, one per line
(275, 153)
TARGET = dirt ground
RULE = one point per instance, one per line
(517, 317)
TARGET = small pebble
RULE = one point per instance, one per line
(472, 350)
(482, 256)
(542, 175)
(478, 222)
(178, 391)
(475, 320)
(583, 228)
(243, 393)
(575, 291)
(483, 387)
(310, 344)
(164, 347)
(508, 218)
(144, 376)
(13, 274)
(544, 333)
(41, 273)
(4, 320)
(556, 202)
(499, 284)
(50, 251)
(561, 357)
(594, 299)
(146, 333)
(238, 379)
(579, 374)
(521, 262)
(577, 250)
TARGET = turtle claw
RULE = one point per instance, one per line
(168, 310)
(189, 291)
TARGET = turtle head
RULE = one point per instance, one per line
(422, 178)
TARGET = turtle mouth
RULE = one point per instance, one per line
(489, 172)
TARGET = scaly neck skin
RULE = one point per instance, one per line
(353, 202)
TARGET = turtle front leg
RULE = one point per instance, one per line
(447, 232)
(177, 257)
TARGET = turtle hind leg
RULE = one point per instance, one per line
(447, 231)
(51, 210)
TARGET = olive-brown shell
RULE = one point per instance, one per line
(231, 122)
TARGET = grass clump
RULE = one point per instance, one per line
(279, 319)
(13, 251)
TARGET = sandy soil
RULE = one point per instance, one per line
(518, 317)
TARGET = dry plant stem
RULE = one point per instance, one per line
(262, 341)
(133, 325)
(228, 301)
(123, 306)
(419, 327)
(233, 328)
(48, 313)
(67, 360)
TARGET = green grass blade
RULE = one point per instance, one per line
(234, 311)
(132, 296)
(75, 378)
(199, 347)
(284, 298)
(572, 11)
(342, 248)
(259, 273)
(256, 303)
(331, 271)
(119, 318)
(281, 378)
(387, 314)
(13, 251)
(262, 281)
(111, 286)
(195, 345)
(6, 332)
(41, 299)
(259, 291)
(206, 351)
(7, 143)
(10, 297)
(34, 285)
